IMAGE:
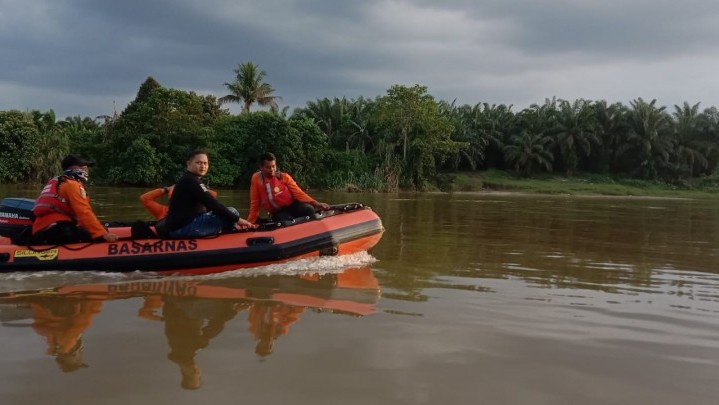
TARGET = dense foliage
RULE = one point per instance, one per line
(404, 139)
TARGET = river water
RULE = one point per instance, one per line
(468, 298)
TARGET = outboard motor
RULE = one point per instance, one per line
(15, 216)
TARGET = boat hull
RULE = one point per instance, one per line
(331, 233)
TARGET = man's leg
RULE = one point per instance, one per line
(230, 226)
(295, 210)
(62, 233)
(301, 209)
(282, 215)
(203, 225)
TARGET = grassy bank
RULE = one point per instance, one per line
(496, 180)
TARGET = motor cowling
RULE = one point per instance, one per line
(15, 216)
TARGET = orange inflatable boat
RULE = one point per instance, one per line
(344, 229)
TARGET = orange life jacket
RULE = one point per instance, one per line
(50, 201)
(275, 193)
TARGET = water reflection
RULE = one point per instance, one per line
(190, 324)
(194, 311)
(62, 322)
(485, 298)
(604, 244)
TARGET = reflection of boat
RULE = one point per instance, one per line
(345, 229)
(353, 291)
(193, 310)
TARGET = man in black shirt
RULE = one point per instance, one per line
(193, 210)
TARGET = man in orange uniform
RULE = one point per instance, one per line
(270, 320)
(278, 194)
(157, 209)
(62, 211)
(62, 322)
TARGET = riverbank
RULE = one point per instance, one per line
(496, 180)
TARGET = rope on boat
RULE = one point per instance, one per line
(268, 226)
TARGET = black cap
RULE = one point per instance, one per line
(71, 360)
(74, 160)
(69, 363)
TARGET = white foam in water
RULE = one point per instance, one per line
(320, 265)
(49, 279)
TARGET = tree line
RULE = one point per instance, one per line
(404, 139)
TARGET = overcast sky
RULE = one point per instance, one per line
(86, 57)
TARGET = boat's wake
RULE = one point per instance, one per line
(316, 265)
(51, 279)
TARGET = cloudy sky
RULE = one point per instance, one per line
(86, 57)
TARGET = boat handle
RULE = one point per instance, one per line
(260, 240)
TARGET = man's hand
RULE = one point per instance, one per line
(244, 224)
(110, 237)
(322, 206)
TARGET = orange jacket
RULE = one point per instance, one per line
(257, 187)
(270, 321)
(74, 192)
(150, 305)
(355, 277)
(156, 209)
(63, 331)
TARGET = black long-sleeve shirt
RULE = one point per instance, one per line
(191, 198)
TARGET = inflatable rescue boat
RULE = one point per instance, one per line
(344, 229)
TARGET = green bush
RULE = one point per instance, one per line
(19, 139)
(348, 171)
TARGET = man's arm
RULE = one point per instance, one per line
(83, 211)
(254, 199)
(299, 194)
(213, 205)
(148, 200)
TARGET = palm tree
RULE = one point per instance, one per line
(574, 132)
(360, 113)
(248, 88)
(329, 115)
(283, 113)
(536, 119)
(481, 126)
(648, 138)
(688, 138)
(528, 150)
(610, 124)
(709, 123)
(53, 144)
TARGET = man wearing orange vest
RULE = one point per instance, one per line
(62, 322)
(62, 211)
(278, 194)
(270, 320)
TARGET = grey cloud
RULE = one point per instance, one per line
(77, 56)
